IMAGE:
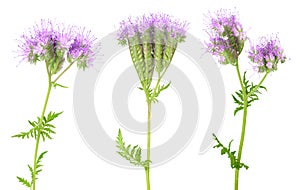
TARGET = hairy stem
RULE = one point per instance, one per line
(39, 131)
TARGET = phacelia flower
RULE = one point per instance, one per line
(80, 50)
(51, 42)
(267, 54)
(152, 41)
(227, 36)
(148, 27)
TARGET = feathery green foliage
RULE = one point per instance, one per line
(24, 182)
(231, 154)
(252, 92)
(131, 153)
(39, 165)
(42, 126)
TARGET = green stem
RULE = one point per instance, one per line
(39, 131)
(149, 131)
(149, 102)
(240, 77)
(236, 184)
(67, 68)
(147, 169)
(155, 89)
(236, 179)
(246, 95)
(259, 84)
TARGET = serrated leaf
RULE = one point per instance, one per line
(134, 149)
(43, 136)
(28, 134)
(237, 101)
(24, 181)
(262, 87)
(31, 171)
(49, 130)
(237, 110)
(234, 163)
(51, 116)
(32, 123)
(130, 153)
(41, 156)
(30, 168)
(49, 125)
(38, 171)
(164, 87)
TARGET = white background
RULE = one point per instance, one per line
(271, 145)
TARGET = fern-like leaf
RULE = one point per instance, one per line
(39, 160)
(252, 92)
(132, 154)
(32, 133)
(234, 163)
(156, 93)
(24, 181)
(40, 126)
(51, 116)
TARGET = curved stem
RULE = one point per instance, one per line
(259, 84)
(67, 68)
(39, 131)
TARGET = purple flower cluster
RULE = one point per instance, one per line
(51, 42)
(267, 54)
(153, 28)
(226, 36)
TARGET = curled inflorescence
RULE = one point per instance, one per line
(152, 41)
(267, 54)
(226, 36)
(159, 28)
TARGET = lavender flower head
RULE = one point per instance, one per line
(153, 28)
(226, 36)
(267, 54)
(51, 42)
